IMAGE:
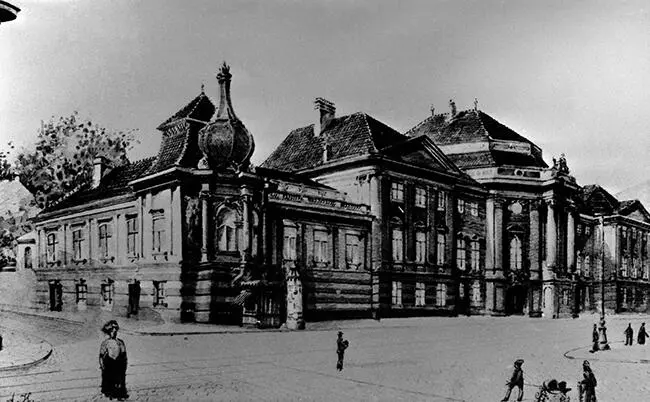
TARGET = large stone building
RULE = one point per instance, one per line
(347, 217)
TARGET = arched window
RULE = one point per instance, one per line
(28, 258)
(227, 230)
(515, 254)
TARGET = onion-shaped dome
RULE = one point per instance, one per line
(225, 141)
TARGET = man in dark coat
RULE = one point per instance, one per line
(587, 386)
(641, 335)
(517, 380)
(594, 339)
(341, 345)
(629, 335)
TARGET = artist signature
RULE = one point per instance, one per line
(26, 397)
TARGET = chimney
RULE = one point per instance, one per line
(100, 168)
(326, 113)
(452, 106)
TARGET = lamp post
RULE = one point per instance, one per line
(602, 329)
(8, 12)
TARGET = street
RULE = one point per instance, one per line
(414, 359)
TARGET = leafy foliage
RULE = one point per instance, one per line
(62, 159)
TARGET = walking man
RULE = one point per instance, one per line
(629, 335)
(587, 387)
(517, 380)
(640, 337)
(594, 339)
(341, 345)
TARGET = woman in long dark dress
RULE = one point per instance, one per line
(113, 362)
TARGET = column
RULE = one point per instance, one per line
(246, 228)
(489, 236)
(147, 228)
(205, 222)
(570, 242)
(119, 239)
(433, 232)
(548, 309)
(534, 241)
(168, 220)
(376, 207)
(498, 237)
(294, 300)
(177, 222)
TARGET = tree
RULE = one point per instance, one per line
(62, 159)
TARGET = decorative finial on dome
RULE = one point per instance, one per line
(475, 103)
(225, 142)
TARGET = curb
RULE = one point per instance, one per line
(29, 364)
(79, 322)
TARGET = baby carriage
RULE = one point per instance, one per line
(552, 391)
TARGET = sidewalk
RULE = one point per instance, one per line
(21, 351)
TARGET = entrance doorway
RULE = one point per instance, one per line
(134, 298)
(516, 297)
(56, 296)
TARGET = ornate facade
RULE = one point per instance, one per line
(347, 217)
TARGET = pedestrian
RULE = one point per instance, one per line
(587, 387)
(594, 339)
(341, 345)
(640, 337)
(113, 363)
(629, 335)
(517, 380)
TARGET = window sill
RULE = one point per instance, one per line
(80, 261)
(53, 263)
(160, 305)
(159, 256)
(321, 264)
(107, 260)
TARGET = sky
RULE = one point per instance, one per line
(571, 76)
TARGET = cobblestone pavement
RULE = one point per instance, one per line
(416, 359)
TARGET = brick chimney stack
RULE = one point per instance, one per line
(100, 168)
(327, 111)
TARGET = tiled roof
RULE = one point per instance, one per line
(197, 109)
(114, 183)
(346, 136)
(472, 126)
(179, 144)
(289, 177)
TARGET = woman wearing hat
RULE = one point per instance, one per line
(588, 384)
(113, 362)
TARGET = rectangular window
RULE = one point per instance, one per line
(321, 246)
(565, 297)
(289, 248)
(624, 267)
(473, 208)
(460, 254)
(132, 231)
(420, 197)
(107, 293)
(397, 191)
(420, 247)
(440, 248)
(352, 250)
(461, 206)
(476, 294)
(441, 294)
(476, 256)
(105, 240)
(587, 265)
(635, 267)
(82, 291)
(397, 293)
(158, 232)
(77, 244)
(51, 247)
(398, 245)
(587, 230)
(420, 293)
(159, 293)
(442, 201)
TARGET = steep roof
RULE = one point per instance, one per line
(475, 126)
(197, 109)
(114, 183)
(179, 144)
(346, 136)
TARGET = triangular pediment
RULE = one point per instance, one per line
(422, 152)
(635, 210)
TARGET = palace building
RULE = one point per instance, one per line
(346, 218)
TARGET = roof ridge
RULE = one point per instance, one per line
(478, 116)
(420, 124)
(185, 144)
(372, 140)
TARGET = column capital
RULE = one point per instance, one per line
(500, 202)
(535, 204)
(551, 202)
(205, 195)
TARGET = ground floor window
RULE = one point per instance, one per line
(82, 291)
(397, 293)
(476, 294)
(441, 294)
(159, 293)
(420, 294)
(565, 297)
(107, 293)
